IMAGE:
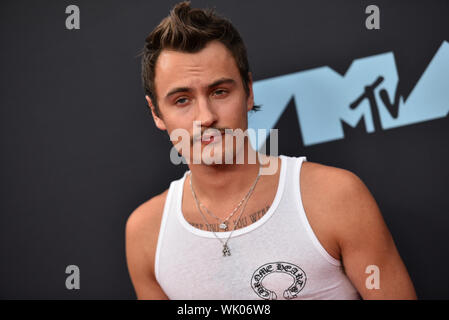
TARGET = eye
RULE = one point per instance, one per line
(220, 92)
(181, 101)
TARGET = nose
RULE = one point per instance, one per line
(205, 113)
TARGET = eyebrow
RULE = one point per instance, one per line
(213, 84)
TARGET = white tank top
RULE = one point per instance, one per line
(276, 257)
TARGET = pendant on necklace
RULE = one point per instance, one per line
(226, 250)
(223, 226)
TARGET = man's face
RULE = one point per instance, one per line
(205, 86)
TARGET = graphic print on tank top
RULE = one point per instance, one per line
(294, 278)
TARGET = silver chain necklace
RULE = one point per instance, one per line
(226, 251)
(223, 223)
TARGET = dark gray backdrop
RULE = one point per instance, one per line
(80, 152)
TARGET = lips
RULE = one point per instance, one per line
(209, 138)
(209, 135)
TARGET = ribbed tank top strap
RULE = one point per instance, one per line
(173, 196)
(295, 187)
(291, 182)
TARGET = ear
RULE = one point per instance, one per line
(157, 120)
(250, 100)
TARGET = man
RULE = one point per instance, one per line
(225, 231)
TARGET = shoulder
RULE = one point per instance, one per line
(333, 183)
(343, 198)
(142, 232)
(149, 210)
(329, 176)
(336, 201)
(338, 186)
(142, 228)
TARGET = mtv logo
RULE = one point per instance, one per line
(367, 92)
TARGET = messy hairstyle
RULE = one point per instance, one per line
(189, 30)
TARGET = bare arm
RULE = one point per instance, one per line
(142, 230)
(364, 240)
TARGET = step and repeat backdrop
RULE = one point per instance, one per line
(359, 85)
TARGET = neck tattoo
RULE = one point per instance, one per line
(244, 221)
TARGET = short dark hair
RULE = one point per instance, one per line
(189, 30)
